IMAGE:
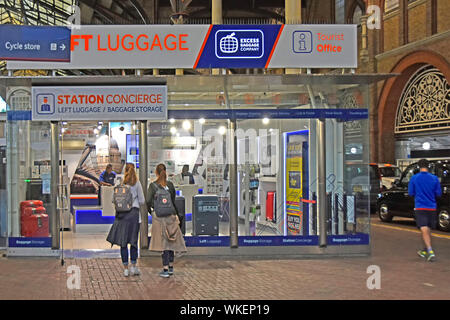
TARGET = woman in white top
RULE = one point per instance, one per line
(125, 229)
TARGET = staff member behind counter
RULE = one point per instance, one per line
(107, 178)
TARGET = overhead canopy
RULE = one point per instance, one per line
(222, 91)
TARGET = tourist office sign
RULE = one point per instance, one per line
(206, 46)
(119, 103)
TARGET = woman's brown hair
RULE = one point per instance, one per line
(162, 175)
(130, 175)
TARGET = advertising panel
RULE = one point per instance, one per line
(295, 181)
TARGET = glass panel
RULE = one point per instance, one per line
(28, 158)
(196, 157)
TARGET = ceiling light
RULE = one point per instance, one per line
(265, 121)
(222, 130)
(202, 120)
(426, 146)
(172, 120)
(186, 125)
(173, 130)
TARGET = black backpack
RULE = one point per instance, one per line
(162, 202)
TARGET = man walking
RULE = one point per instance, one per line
(425, 187)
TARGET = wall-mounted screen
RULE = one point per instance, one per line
(133, 149)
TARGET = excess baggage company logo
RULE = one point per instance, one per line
(240, 44)
(45, 103)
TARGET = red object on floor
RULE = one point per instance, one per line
(30, 204)
(34, 222)
(270, 206)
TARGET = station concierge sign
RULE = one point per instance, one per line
(94, 102)
(203, 46)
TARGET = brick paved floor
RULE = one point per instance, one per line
(403, 276)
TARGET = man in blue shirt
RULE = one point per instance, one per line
(425, 187)
(108, 176)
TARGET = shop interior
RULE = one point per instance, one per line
(276, 160)
(195, 154)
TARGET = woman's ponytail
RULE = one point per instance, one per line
(161, 171)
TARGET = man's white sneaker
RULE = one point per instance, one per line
(126, 272)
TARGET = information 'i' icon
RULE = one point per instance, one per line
(302, 42)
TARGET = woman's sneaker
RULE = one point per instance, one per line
(135, 271)
(170, 271)
(126, 272)
(164, 274)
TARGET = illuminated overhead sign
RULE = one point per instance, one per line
(105, 103)
(207, 46)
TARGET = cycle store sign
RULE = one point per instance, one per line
(93, 102)
(192, 46)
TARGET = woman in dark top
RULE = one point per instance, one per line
(166, 236)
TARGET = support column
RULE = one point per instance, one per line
(54, 183)
(321, 182)
(216, 18)
(293, 15)
(321, 173)
(143, 178)
(13, 169)
(234, 196)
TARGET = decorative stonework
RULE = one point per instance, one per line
(425, 102)
(350, 101)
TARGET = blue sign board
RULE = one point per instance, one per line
(278, 241)
(238, 46)
(34, 43)
(23, 242)
(348, 239)
(342, 114)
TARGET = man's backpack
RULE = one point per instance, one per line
(162, 203)
(123, 198)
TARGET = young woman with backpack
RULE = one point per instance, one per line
(166, 236)
(125, 229)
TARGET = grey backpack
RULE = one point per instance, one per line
(123, 198)
(162, 203)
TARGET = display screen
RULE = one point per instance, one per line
(2, 105)
(208, 208)
(133, 149)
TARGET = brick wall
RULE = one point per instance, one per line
(417, 26)
(443, 15)
(391, 29)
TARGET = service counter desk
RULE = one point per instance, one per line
(88, 215)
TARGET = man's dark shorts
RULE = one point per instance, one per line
(426, 218)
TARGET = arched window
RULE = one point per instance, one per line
(425, 102)
(356, 19)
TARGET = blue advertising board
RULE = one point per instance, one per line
(24, 242)
(239, 46)
(341, 114)
(34, 43)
